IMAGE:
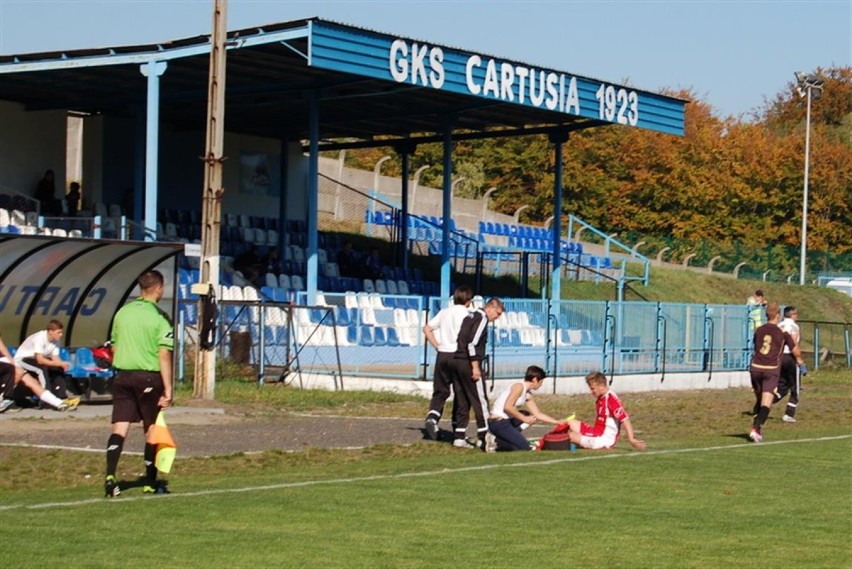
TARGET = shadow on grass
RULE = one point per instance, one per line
(125, 485)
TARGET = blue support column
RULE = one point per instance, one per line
(405, 155)
(283, 195)
(558, 139)
(139, 173)
(152, 71)
(447, 209)
(313, 202)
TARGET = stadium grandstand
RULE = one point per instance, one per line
(304, 318)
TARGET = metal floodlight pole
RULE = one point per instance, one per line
(804, 251)
(805, 87)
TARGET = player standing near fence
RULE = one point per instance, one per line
(142, 340)
(792, 368)
(447, 323)
(467, 373)
(765, 368)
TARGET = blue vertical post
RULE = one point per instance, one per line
(139, 172)
(558, 139)
(152, 70)
(447, 208)
(283, 194)
(313, 189)
(816, 346)
(405, 153)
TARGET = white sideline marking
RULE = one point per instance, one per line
(305, 483)
(60, 447)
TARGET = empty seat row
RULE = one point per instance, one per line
(387, 217)
(514, 230)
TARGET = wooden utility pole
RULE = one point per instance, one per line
(211, 211)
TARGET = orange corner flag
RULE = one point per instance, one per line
(166, 447)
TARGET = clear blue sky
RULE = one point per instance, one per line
(732, 54)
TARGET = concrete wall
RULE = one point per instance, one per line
(423, 200)
(93, 144)
(109, 168)
(30, 143)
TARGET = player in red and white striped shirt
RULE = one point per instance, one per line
(610, 418)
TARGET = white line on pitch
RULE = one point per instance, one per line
(305, 483)
(60, 447)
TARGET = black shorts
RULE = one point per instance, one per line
(764, 381)
(7, 380)
(136, 397)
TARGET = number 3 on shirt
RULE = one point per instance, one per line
(767, 344)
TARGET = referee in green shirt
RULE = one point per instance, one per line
(142, 340)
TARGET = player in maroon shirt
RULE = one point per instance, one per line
(765, 369)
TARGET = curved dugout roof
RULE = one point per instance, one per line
(369, 86)
(81, 283)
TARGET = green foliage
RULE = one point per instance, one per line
(676, 285)
(731, 187)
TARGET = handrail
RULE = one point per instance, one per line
(708, 350)
(608, 241)
(662, 320)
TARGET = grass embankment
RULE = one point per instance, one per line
(673, 285)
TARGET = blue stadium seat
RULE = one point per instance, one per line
(367, 338)
(86, 366)
(341, 315)
(380, 336)
(503, 336)
(352, 335)
(393, 337)
(190, 312)
(515, 337)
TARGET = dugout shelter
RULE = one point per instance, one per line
(80, 282)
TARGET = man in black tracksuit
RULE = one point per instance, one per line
(466, 373)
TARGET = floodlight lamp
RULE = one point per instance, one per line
(801, 77)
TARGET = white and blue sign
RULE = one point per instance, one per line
(420, 64)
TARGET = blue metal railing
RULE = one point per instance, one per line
(381, 336)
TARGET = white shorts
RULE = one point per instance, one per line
(596, 443)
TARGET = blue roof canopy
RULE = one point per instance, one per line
(369, 86)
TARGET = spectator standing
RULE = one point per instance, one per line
(249, 264)
(447, 324)
(72, 199)
(142, 339)
(373, 265)
(507, 417)
(347, 261)
(765, 368)
(46, 193)
(757, 310)
(467, 375)
(271, 261)
(610, 416)
(38, 355)
(792, 368)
